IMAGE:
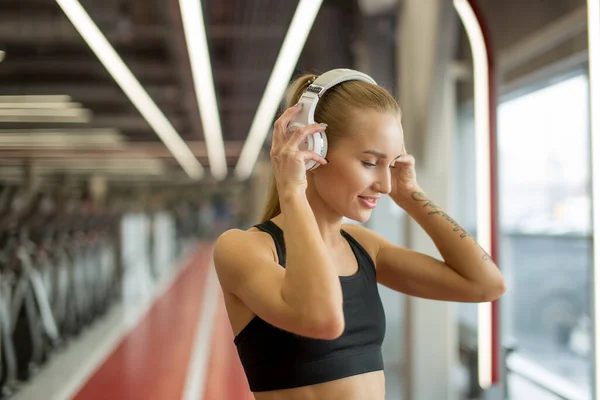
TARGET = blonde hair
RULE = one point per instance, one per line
(333, 109)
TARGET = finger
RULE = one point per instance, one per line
(311, 155)
(281, 125)
(300, 134)
(285, 118)
(406, 159)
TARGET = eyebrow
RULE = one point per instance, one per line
(378, 154)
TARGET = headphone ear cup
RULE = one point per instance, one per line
(308, 143)
(293, 126)
(317, 143)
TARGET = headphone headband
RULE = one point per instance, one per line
(317, 142)
(336, 76)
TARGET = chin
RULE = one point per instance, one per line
(360, 216)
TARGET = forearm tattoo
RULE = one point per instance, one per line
(428, 203)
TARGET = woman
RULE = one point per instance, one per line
(314, 328)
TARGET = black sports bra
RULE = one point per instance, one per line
(275, 359)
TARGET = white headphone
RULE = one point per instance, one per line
(318, 142)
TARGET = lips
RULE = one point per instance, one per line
(369, 201)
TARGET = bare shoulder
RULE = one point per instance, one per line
(364, 235)
(252, 242)
(369, 240)
(236, 249)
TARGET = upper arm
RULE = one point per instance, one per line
(246, 269)
(413, 273)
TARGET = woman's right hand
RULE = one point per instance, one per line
(288, 160)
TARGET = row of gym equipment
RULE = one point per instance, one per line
(64, 263)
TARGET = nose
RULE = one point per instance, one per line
(383, 184)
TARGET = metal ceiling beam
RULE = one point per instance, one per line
(12, 167)
(92, 155)
(377, 7)
(123, 122)
(48, 66)
(99, 93)
(131, 122)
(550, 36)
(75, 162)
(94, 93)
(223, 31)
(22, 28)
(168, 92)
(234, 109)
(130, 151)
(241, 75)
(13, 173)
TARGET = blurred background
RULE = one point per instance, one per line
(133, 133)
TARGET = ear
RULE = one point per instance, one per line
(314, 170)
(314, 173)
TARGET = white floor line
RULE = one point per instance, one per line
(196, 376)
(66, 373)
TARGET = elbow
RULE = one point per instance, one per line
(329, 327)
(319, 319)
(494, 290)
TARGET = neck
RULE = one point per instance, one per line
(328, 221)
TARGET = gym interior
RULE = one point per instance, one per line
(134, 132)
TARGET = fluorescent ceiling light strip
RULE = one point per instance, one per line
(51, 98)
(109, 162)
(61, 138)
(42, 112)
(103, 171)
(10, 170)
(52, 146)
(294, 41)
(58, 140)
(45, 106)
(195, 35)
(66, 132)
(78, 119)
(141, 168)
(131, 86)
(89, 164)
(483, 183)
(593, 13)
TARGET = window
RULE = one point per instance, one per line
(545, 226)
(543, 141)
(545, 229)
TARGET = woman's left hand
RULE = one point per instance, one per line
(404, 179)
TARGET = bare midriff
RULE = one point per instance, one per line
(369, 386)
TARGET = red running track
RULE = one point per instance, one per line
(226, 379)
(152, 361)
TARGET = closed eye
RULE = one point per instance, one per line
(370, 165)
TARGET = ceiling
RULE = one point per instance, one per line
(45, 55)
